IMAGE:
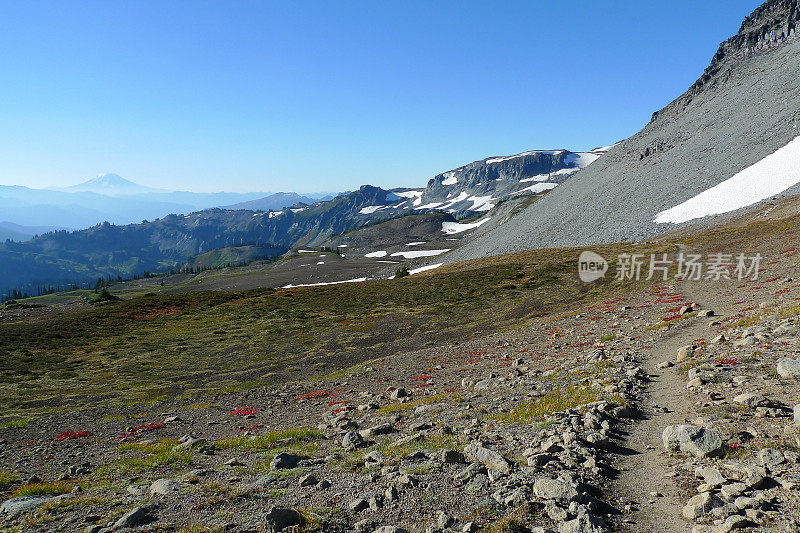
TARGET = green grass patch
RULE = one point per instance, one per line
(8, 478)
(41, 489)
(271, 440)
(554, 401)
(145, 457)
(15, 423)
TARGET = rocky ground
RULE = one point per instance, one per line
(671, 407)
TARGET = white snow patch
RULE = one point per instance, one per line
(582, 159)
(274, 214)
(357, 280)
(431, 205)
(321, 263)
(538, 187)
(342, 246)
(451, 228)
(416, 195)
(381, 253)
(538, 177)
(450, 178)
(566, 171)
(415, 243)
(306, 251)
(419, 253)
(423, 269)
(770, 176)
(460, 198)
(481, 203)
(371, 209)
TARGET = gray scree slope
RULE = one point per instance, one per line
(744, 107)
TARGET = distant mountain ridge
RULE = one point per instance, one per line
(273, 202)
(112, 198)
(107, 250)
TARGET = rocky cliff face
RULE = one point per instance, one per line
(773, 24)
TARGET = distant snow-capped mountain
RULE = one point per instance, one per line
(110, 184)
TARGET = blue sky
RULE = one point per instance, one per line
(326, 96)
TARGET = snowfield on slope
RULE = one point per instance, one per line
(770, 176)
(451, 228)
(419, 253)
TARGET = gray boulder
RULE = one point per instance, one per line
(698, 441)
(488, 457)
(555, 489)
(16, 506)
(138, 516)
(751, 399)
(584, 523)
(769, 457)
(352, 439)
(789, 368)
(279, 518)
(284, 460)
(711, 476)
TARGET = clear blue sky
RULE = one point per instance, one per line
(326, 96)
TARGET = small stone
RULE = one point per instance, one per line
(554, 489)
(745, 502)
(452, 457)
(732, 490)
(284, 460)
(733, 522)
(136, 517)
(711, 476)
(751, 399)
(352, 439)
(359, 504)
(307, 480)
(280, 518)
(584, 523)
(488, 457)
(398, 393)
(700, 505)
(443, 520)
(165, 486)
(684, 353)
(769, 457)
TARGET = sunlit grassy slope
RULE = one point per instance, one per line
(156, 346)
